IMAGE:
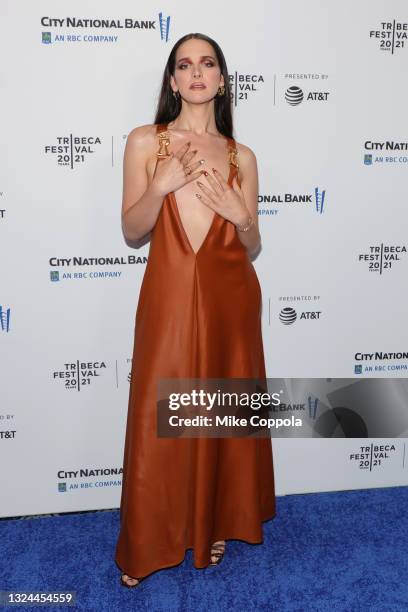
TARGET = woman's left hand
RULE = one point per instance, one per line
(228, 201)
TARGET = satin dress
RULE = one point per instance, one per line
(198, 315)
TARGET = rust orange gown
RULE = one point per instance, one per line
(198, 315)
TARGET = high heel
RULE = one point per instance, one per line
(130, 586)
(217, 551)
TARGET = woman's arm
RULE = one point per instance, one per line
(141, 202)
(248, 173)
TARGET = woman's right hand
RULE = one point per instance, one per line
(170, 172)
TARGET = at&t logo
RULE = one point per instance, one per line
(294, 96)
(288, 315)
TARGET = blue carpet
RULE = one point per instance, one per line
(343, 551)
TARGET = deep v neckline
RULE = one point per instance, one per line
(210, 227)
(215, 214)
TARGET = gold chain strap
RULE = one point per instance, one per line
(164, 142)
(233, 152)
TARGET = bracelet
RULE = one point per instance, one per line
(246, 227)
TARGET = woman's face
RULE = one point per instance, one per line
(196, 62)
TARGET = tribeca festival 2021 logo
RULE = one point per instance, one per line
(72, 150)
(243, 87)
(383, 257)
(373, 456)
(79, 374)
(90, 268)
(98, 30)
(390, 36)
(4, 318)
(295, 95)
(386, 152)
(315, 200)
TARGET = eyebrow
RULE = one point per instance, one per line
(202, 57)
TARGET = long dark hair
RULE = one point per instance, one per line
(169, 107)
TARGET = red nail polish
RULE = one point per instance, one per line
(205, 172)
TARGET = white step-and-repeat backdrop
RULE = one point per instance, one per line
(320, 94)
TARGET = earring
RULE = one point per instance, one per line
(176, 94)
(221, 90)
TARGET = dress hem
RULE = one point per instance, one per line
(180, 561)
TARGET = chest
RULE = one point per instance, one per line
(195, 216)
(214, 157)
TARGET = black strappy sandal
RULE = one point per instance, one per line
(130, 586)
(217, 551)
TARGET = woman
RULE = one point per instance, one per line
(198, 315)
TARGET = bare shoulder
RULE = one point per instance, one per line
(142, 137)
(245, 153)
(141, 148)
(246, 161)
